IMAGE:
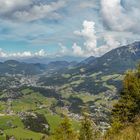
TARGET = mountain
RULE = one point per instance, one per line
(116, 61)
(55, 66)
(87, 60)
(97, 75)
(47, 60)
(16, 67)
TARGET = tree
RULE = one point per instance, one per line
(138, 70)
(87, 131)
(36, 122)
(128, 106)
(65, 131)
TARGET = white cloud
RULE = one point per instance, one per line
(25, 54)
(2, 53)
(90, 47)
(77, 50)
(9, 5)
(40, 11)
(119, 17)
(110, 43)
(41, 53)
(89, 34)
(28, 10)
(63, 50)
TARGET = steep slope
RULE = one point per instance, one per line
(116, 61)
(96, 75)
(87, 61)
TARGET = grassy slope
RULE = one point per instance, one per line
(6, 122)
(2, 137)
(30, 100)
(24, 134)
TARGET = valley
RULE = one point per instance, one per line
(44, 93)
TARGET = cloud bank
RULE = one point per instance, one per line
(25, 54)
(121, 15)
(29, 10)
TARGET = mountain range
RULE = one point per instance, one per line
(96, 75)
(117, 60)
(103, 73)
(45, 60)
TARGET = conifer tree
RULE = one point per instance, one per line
(87, 131)
(65, 131)
(128, 106)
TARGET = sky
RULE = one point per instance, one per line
(82, 28)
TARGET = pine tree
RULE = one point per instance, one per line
(128, 106)
(65, 131)
(87, 131)
(138, 71)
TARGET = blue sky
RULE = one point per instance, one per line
(32, 28)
